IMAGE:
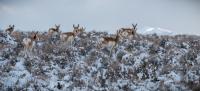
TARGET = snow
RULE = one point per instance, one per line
(140, 64)
(158, 31)
(18, 75)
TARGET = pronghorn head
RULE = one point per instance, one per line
(35, 36)
(76, 29)
(134, 29)
(57, 28)
(118, 37)
(10, 28)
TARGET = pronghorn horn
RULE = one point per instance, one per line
(134, 26)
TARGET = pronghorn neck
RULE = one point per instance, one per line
(34, 37)
(75, 32)
(117, 38)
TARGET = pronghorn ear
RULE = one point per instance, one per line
(134, 26)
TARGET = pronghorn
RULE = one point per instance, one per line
(53, 30)
(68, 37)
(10, 29)
(110, 41)
(17, 35)
(29, 43)
(128, 32)
(82, 29)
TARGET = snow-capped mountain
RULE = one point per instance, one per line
(158, 31)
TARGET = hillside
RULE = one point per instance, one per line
(145, 63)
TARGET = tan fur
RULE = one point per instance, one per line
(42, 37)
(53, 30)
(68, 37)
(16, 35)
(29, 42)
(10, 29)
(128, 32)
(110, 41)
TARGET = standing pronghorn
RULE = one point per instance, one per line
(29, 43)
(54, 30)
(10, 29)
(110, 41)
(128, 32)
(68, 37)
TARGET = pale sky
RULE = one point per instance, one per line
(180, 16)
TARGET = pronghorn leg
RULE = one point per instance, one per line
(25, 52)
(65, 44)
(111, 51)
(28, 53)
(31, 52)
(71, 43)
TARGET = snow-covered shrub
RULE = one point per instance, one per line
(143, 63)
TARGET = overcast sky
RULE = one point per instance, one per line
(180, 16)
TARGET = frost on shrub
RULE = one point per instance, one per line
(147, 62)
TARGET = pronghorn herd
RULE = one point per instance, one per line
(68, 37)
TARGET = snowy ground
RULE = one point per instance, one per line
(145, 63)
